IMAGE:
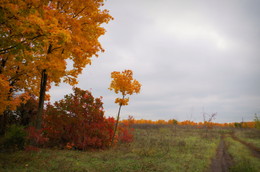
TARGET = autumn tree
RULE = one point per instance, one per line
(16, 48)
(78, 119)
(41, 37)
(123, 83)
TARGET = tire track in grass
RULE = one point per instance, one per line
(255, 150)
(222, 161)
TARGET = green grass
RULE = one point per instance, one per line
(153, 150)
(249, 135)
(242, 157)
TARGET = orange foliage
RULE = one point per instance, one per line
(192, 123)
(124, 83)
(7, 98)
(46, 35)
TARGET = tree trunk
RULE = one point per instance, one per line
(3, 123)
(4, 117)
(43, 85)
(41, 99)
(117, 120)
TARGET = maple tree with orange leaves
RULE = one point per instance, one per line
(124, 84)
(39, 38)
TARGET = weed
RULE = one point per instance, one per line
(14, 138)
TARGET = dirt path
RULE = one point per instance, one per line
(255, 150)
(222, 161)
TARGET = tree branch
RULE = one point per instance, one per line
(3, 51)
(79, 12)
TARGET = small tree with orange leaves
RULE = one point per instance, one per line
(124, 84)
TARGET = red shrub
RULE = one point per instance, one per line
(35, 136)
(78, 119)
(125, 134)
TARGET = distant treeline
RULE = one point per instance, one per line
(251, 124)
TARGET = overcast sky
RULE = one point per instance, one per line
(190, 57)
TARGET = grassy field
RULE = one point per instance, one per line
(154, 149)
(251, 136)
(243, 159)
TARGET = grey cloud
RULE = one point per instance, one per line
(188, 55)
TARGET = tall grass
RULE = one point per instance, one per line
(243, 159)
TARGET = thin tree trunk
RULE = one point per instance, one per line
(117, 120)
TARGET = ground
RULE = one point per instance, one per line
(222, 161)
(155, 148)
